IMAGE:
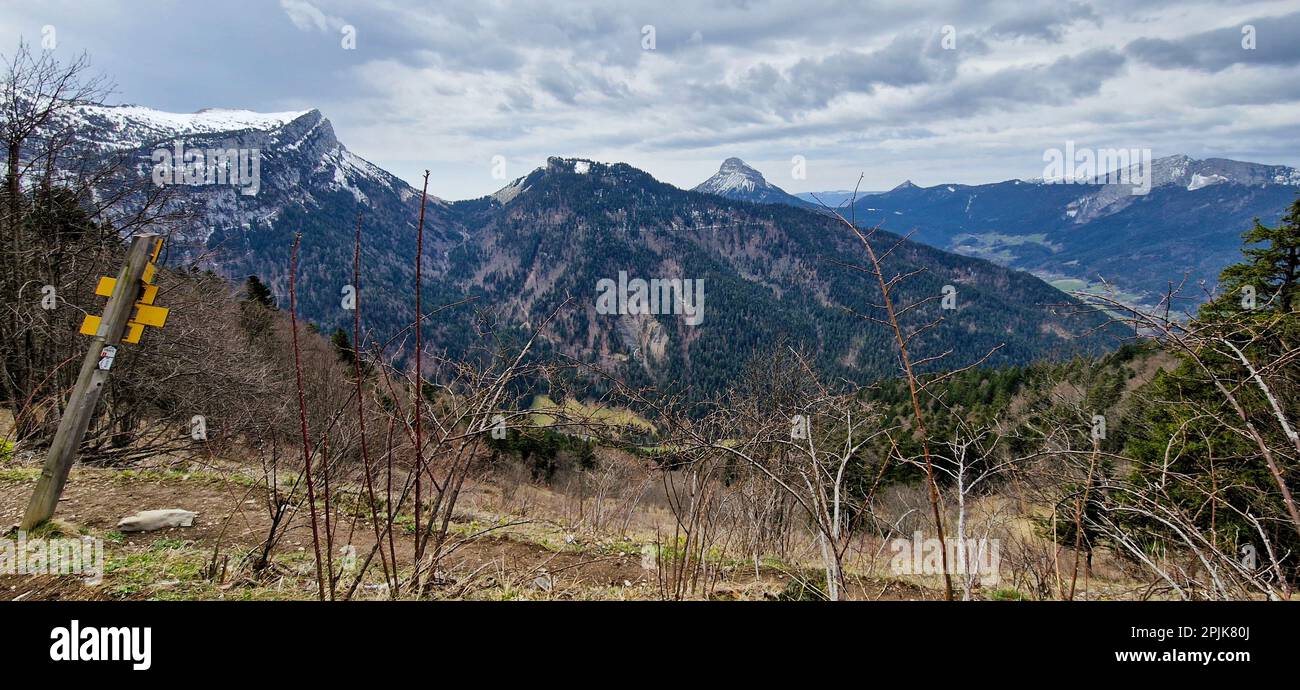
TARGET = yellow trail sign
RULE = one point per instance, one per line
(96, 368)
(144, 313)
(90, 326)
(104, 288)
(133, 333)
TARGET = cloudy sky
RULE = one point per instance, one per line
(928, 91)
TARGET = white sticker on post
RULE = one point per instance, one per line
(106, 356)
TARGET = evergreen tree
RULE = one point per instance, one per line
(1272, 266)
(1190, 431)
(258, 292)
(343, 345)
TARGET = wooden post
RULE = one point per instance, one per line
(95, 369)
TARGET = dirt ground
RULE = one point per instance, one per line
(510, 558)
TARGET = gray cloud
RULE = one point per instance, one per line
(1048, 23)
(1061, 82)
(307, 16)
(446, 86)
(1277, 42)
(910, 59)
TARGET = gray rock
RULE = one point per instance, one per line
(150, 520)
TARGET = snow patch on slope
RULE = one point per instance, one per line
(1199, 181)
(507, 193)
(138, 125)
(732, 182)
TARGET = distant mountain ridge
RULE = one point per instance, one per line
(1187, 228)
(838, 198)
(1096, 234)
(773, 273)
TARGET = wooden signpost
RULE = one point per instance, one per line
(129, 309)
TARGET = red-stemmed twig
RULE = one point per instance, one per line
(419, 355)
(302, 411)
(913, 386)
(361, 411)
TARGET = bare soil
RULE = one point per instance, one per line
(538, 561)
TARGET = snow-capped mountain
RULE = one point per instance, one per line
(1194, 174)
(294, 156)
(298, 169)
(736, 180)
(131, 126)
(231, 188)
(1116, 192)
(541, 242)
(1187, 225)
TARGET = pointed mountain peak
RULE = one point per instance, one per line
(907, 184)
(735, 179)
(736, 165)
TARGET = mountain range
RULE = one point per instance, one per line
(1183, 231)
(774, 273)
(837, 198)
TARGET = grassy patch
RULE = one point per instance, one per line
(20, 474)
(995, 246)
(624, 548)
(168, 569)
(185, 476)
(808, 585)
(1069, 284)
(574, 410)
(1072, 285)
(174, 570)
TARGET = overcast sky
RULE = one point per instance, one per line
(853, 87)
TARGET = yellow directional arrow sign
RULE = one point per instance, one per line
(96, 370)
(90, 325)
(144, 314)
(105, 289)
